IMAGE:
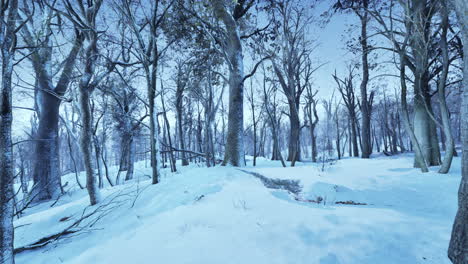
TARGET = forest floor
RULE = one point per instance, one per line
(351, 211)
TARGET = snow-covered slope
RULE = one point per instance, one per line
(224, 215)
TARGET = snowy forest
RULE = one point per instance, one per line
(234, 131)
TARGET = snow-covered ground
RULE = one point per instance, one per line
(223, 215)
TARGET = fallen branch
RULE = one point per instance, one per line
(83, 224)
(319, 200)
(44, 241)
(292, 186)
(350, 203)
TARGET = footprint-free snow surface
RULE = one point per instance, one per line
(351, 211)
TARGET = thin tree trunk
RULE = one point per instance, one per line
(153, 112)
(106, 168)
(75, 169)
(130, 160)
(338, 136)
(168, 129)
(444, 111)
(354, 137)
(180, 130)
(254, 132)
(97, 155)
(91, 182)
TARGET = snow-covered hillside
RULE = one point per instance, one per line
(353, 211)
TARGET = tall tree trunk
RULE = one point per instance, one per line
(180, 130)
(354, 137)
(261, 147)
(400, 135)
(46, 174)
(124, 151)
(209, 144)
(459, 241)
(153, 112)
(276, 153)
(338, 136)
(72, 157)
(169, 138)
(366, 105)
(424, 126)
(444, 111)
(350, 142)
(234, 153)
(420, 160)
(294, 135)
(199, 134)
(86, 86)
(97, 155)
(7, 33)
(86, 135)
(130, 160)
(311, 108)
(425, 131)
(254, 133)
(276, 149)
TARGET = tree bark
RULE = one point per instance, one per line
(420, 160)
(131, 160)
(148, 54)
(180, 130)
(168, 129)
(234, 152)
(7, 35)
(457, 251)
(444, 111)
(366, 104)
(294, 135)
(424, 126)
(354, 137)
(86, 144)
(88, 82)
(46, 174)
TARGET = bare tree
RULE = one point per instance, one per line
(361, 10)
(230, 14)
(255, 118)
(272, 111)
(84, 17)
(313, 118)
(48, 97)
(414, 44)
(346, 89)
(148, 52)
(183, 69)
(291, 62)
